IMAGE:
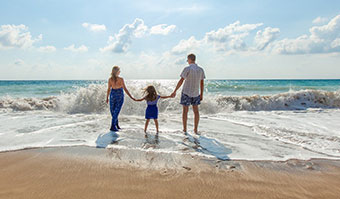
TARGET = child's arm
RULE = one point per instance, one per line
(164, 97)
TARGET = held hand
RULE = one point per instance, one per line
(173, 94)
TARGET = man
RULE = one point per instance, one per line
(192, 93)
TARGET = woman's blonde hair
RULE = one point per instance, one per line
(114, 72)
(151, 93)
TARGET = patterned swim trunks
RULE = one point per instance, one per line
(187, 100)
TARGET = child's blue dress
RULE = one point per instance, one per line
(152, 110)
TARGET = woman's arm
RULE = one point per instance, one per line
(139, 100)
(126, 90)
(164, 97)
(108, 91)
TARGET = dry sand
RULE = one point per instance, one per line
(36, 173)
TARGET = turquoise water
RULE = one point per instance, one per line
(267, 87)
(45, 88)
(41, 88)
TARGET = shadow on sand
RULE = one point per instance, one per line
(107, 138)
(151, 141)
(207, 146)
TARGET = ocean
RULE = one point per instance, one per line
(240, 119)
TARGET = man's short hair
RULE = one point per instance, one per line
(192, 57)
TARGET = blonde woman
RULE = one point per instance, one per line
(115, 89)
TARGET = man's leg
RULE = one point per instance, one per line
(185, 117)
(197, 117)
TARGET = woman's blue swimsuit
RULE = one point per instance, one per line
(152, 110)
(116, 103)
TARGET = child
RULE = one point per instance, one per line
(152, 110)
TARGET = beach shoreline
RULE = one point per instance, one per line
(86, 172)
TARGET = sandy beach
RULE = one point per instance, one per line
(68, 172)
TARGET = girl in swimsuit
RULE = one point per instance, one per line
(115, 89)
(151, 112)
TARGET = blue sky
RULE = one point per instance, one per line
(150, 39)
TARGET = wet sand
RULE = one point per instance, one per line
(59, 173)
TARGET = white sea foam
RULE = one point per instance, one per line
(293, 100)
(315, 129)
(91, 99)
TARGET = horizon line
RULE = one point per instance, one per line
(171, 79)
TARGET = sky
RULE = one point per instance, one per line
(150, 39)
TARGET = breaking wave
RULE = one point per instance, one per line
(91, 99)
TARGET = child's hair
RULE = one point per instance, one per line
(151, 93)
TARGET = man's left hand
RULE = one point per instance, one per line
(173, 94)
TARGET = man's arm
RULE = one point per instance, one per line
(202, 89)
(179, 84)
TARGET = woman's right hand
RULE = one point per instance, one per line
(107, 100)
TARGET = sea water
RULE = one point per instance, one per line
(240, 119)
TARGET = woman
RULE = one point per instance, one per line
(115, 90)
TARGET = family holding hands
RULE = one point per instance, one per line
(192, 94)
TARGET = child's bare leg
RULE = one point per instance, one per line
(197, 117)
(185, 117)
(156, 123)
(146, 125)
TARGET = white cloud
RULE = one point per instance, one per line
(47, 49)
(140, 29)
(320, 20)
(120, 42)
(237, 37)
(185, 46)
(322, 39)
(81, 48)
(94, 27)
(16, 36)
(335, 43)
(162, 29)
(230, 37)
(264, 37)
